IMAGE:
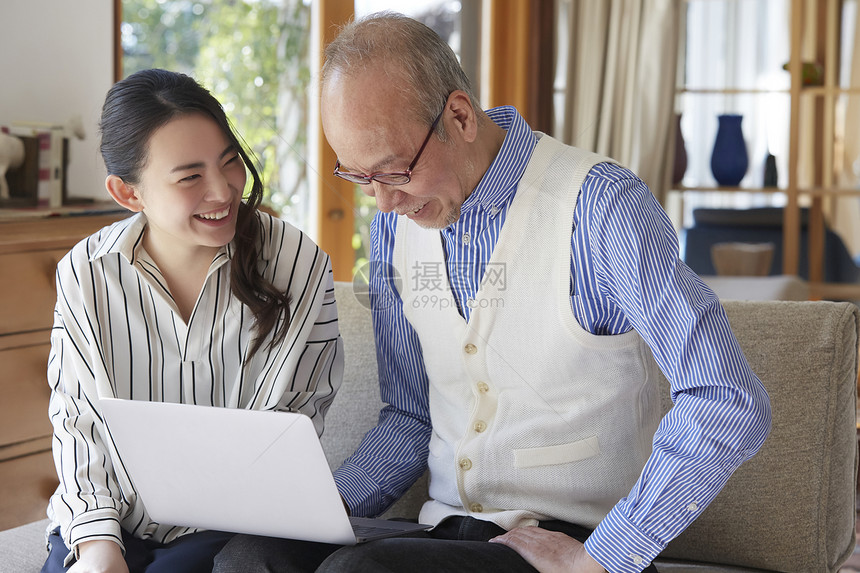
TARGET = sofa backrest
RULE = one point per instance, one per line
(790, 508)
(356, 408)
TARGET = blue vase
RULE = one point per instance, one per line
(729, 160)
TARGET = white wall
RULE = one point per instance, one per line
(56, 61)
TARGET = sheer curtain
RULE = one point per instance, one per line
(846, 218)
(617, 65)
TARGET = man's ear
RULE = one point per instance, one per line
(123, 193)
(465, 117)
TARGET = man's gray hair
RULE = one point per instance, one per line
(421, 64)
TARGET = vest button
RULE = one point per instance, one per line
(471, 349)
(476, 508)
(465, 464)
(483, 387)
(480, 426)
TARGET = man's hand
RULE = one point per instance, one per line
(549, 551)
(99, 556)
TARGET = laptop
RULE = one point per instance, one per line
(242, 471)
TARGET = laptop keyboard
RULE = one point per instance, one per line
(370, 531)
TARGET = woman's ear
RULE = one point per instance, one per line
(123, 193)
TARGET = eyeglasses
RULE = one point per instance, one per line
(392, 178)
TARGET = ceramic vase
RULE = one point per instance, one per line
(729, 160)
(771, 178)
(680, 165)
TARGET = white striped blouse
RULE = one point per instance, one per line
(118, 333)
(625, 274)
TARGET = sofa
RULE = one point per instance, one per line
(791, 508)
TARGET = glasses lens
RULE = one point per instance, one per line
(351, 177)
(392, 178)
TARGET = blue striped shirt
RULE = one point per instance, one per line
(625, 274)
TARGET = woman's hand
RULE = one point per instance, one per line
(549, 551)
(99, 556)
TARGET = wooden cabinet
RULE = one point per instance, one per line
(29, 251)
(817, 127)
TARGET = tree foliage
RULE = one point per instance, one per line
(253, 56)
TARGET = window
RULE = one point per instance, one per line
(456, 22)
(227, 45)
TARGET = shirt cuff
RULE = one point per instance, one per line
(619, 546)
(360, 492)
(98, 524)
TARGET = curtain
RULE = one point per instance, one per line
(846, 219)
(620, 83)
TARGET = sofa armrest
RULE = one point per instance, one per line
(22, 549)
(792, 506)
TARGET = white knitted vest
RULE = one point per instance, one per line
(533, 417)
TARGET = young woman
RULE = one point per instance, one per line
(197, 298)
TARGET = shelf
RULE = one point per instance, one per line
(828, 90)
(697, 189)
(731, 91)
(830, 191)
(834, 291)
(814, 144)
(813, 192)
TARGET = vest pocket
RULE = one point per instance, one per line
(560, 454)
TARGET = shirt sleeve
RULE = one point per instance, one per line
(394, 453)
(88, 504)
(721, 412)
(316, 370)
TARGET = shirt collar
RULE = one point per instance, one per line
(123, 237)
(500, 181)
(126, 238)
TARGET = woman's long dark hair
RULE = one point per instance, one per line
(138, 106)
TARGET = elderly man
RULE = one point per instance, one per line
(519, 288)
